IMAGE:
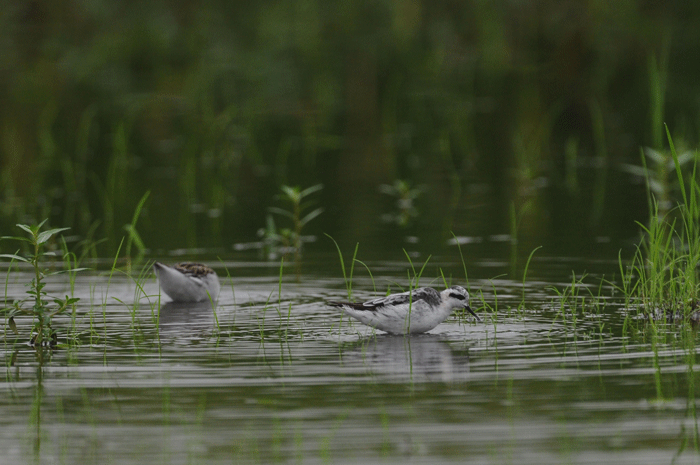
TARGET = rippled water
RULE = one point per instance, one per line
(270, 377)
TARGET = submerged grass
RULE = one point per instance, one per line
(578, 303)
(283, 333)
(140, 295)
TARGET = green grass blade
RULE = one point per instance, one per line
(348, 284)
(677, 164)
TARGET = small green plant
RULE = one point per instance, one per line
(41, 311)
(405, 197)
(298, 206)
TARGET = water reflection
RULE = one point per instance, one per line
(423, 358)
(186, 319)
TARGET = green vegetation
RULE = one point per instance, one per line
(181, 127)
(577, 302)
(404, 196)
(662, 278)
(133, 237)
(37, 306)
(214, 111)
(347, 275)
(285, 239)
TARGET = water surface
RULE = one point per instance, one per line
(270, 377)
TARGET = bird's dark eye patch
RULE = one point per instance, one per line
(454, 295)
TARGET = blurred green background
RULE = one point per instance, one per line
(421, 119)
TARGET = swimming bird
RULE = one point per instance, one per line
(410, 312)
(188, 282)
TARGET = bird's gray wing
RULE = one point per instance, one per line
(427, 294)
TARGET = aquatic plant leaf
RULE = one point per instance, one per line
(387, 189)
(134, 236)
(311, 216)
(139, 207)
(46, 235)
(655, 156)
(634, 169)
(16, 238)
(12, 325)
(656, 187)
(72, 270)
(679, 173)
(26, 228)
(67, 301)
(310, 190)
(685, 157)
(15, 310)
(280, 211)
(14, 257)
(292, 193)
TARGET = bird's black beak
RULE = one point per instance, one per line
(469, 309)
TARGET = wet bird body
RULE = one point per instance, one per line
(410, 312)
(188, 282)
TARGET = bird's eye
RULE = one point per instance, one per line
(457, 296)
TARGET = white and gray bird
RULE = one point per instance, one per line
(188, 282)
(410, 312)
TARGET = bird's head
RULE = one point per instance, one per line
(457, 296)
